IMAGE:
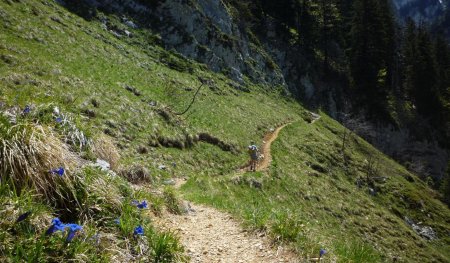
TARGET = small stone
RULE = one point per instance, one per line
(142, 150)
(169, 182)
(90, 113)
(95, 103)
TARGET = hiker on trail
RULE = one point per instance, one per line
(253, 152)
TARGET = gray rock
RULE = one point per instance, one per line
(255, 184)
(169, 182)
(186, 207)
(133, 90)
(424, 231)
(131, 24)
(102, 164)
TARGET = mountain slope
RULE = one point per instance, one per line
(129, 91)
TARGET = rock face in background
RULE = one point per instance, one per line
(202, 30)
(206, 31)
(420, 10)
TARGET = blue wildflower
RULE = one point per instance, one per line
(73, 229)
(142, 205)
(23, 216)
(58, 119)
(27, 109)
(57, 225)
(117, 221)
(322, 252)
(60, 171)
(138, 231)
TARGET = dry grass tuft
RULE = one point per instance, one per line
(27, 154)
(105, 149)
(136, 173)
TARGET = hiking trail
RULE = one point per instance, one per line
(211, 236)
(265, 148)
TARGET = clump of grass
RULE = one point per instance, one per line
(28, 152)
(166, 247)
(286, 227)
(64, 123)
(356, 252)
(135, 173)
(104, 196)
(25, 240)
(106, 150)
(172, 201)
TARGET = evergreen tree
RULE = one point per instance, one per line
(307, 25)
(329, 19)
(370, 57)
(424, 89)
(442, 56)
(409, 51)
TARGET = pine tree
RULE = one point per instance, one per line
(329, 19)
(424, 90)
(307, 26)
(370, 59)
(409, 51)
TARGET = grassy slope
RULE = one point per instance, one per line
(325, 208)
(52, 56)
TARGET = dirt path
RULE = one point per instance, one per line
(265, 148)
(211, 236)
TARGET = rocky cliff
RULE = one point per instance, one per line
(420, 10)
(212, 32)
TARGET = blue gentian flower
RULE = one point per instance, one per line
(60, 171)
(322, 252)
(57, 225)
(73, 229)
(27, 109)
(117, 221)
(23, 216)
(138, 231)
(58, 119)
(142, 205)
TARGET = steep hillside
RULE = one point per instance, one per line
(75, 93)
